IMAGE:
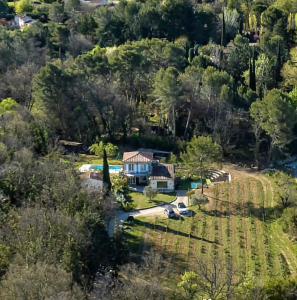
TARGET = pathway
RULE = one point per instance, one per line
(181, 196)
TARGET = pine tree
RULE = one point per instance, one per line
(106, 177)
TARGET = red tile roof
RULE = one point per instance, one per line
(137, 157)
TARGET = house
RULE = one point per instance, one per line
(142, 168)
(162, 177)
(23, 21)
(138, 166)
(98, 3)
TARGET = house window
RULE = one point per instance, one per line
(142, 168)
(162, 184)
(130, 167)
(132, 180)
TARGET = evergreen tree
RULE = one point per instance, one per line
(223, 32)
(278, 65)
(252, 72)
(106, 177)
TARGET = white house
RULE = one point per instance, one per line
(142, 169)
(23, 21)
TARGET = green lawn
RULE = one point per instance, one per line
(140, 201)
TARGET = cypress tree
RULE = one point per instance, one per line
(223, 32)
(106, 177)
(252, 72)
(278, 65)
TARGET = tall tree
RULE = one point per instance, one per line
(252, 71)
(223, 29)
(286, 189)
(276, 115)
(191, 81)
(210, 281)
(201, 152)
(106, 177)
(289, 71)
(167, 92)
(278, 65)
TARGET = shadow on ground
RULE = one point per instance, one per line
(247, 209)
(173, 231)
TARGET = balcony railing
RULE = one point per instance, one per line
(137, 173)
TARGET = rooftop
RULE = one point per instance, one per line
(162, 171)
(138, 157)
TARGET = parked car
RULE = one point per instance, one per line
(182, 209)
(169, 212)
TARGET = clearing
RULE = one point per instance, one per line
(238, 226)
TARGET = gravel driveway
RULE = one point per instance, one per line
(181, 196)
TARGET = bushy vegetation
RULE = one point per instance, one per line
(208, 80)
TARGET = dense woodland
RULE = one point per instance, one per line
(135, 73)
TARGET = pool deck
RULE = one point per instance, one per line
(91, 167)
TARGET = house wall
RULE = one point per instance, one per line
(170, 184)
(137, 168)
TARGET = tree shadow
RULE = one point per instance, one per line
(138, 247)
(262, 213)
(157, 202)
(247, 209)
(169, 230)
(215, 213)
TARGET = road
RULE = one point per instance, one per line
(181, 196)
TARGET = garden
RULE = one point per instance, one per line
(96, 156)
(238, 227)
(141, 201)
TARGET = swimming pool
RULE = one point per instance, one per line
(293, 167)
(112, 169)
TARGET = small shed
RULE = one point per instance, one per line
(72, 147)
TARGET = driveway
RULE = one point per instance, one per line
(181, 196)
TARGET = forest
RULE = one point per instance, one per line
(183, 76)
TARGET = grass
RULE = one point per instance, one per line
(231, 228)
(141, 201)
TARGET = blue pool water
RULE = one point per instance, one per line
(112, 169)
(293, 167)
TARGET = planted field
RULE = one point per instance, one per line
(237, 227)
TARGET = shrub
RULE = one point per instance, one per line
(23, 6)
(149, 192)
(37, 281)
(198, 199)
(119, 184)
(97, 149)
